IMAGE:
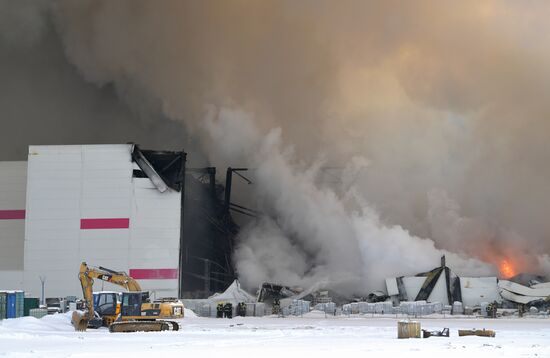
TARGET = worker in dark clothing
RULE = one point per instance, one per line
(276, 309)
(228, 310)
(219, 310)
(241, 309)
(492, 310)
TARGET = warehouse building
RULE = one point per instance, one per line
(115, 206)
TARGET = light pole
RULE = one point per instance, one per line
(43, 282)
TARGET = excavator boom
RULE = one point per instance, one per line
(80, 320)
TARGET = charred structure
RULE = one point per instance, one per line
(208, 236)
(207, 229)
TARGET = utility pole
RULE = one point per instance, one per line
(43, 281)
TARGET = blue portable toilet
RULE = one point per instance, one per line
(11, 311)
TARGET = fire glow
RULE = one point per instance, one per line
(506, 269)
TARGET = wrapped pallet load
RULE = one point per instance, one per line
(408, 329)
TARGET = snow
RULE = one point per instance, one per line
(314, 333)
(189, 313)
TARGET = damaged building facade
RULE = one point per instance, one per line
(442, 285)
(118, 206)
(438, 291)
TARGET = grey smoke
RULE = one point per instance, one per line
(44, 100)
(445, 102)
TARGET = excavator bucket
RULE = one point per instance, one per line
(79, 320)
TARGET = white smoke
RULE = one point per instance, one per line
(309, 234)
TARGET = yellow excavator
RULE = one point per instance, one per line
(130, 311)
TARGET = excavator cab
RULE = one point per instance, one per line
(131, 304)
(136, 305)
(106, 303)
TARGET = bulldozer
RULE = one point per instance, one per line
(130, 311)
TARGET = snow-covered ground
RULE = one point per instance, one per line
(313, 334)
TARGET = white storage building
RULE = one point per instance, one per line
(86, 203)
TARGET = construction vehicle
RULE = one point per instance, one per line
(130, 311)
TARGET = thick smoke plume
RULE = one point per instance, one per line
(436, 111)
(45, 100)
(311, 236)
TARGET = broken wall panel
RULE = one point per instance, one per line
(539, 291)
(413, 285)
(479, 289)
(438, 293)
(517, 298)
(391, 287)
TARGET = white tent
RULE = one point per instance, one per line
(234, 294)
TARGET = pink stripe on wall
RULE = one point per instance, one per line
(153, 274)
(12, 214)
(105, 223)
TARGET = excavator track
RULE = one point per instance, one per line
(143, 326)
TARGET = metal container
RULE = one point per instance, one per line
(3, 304)
(29, 304)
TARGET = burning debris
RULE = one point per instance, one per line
(271, 292)
(436, 291)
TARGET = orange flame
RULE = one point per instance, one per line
(506, 269)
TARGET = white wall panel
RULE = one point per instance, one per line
(439, 292)
(104, 238)
(11, 280)
(413, 285)
(479, 289)
(13, 182)
(160, 288)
